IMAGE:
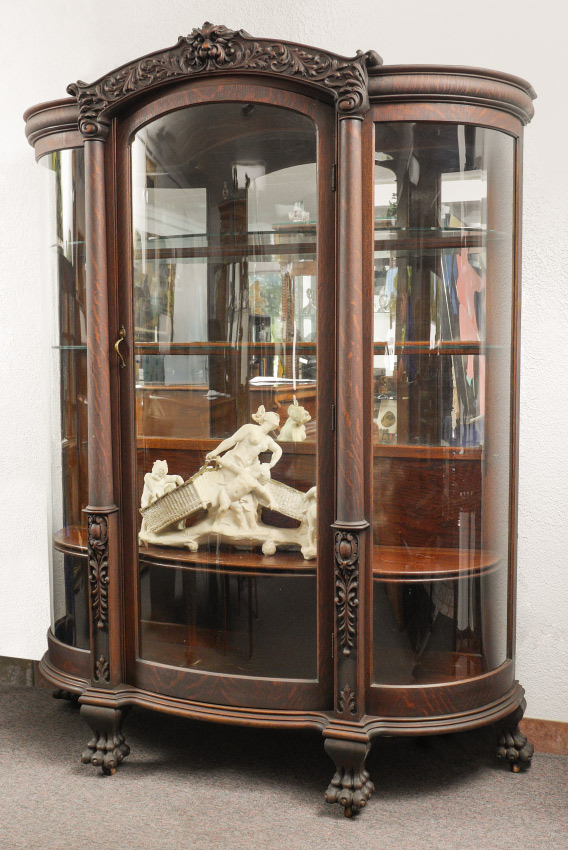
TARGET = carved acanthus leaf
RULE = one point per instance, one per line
(102, 670)
(347, 701)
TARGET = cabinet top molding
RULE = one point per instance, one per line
(215, 48)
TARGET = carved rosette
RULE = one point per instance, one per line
(98, 567)
(346, 588)
(209, 49)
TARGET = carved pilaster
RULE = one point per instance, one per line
(212, 49)
(347, 549)
(98, 539)
(346, 589)
(98, 568)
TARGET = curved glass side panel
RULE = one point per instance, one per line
(65, 175)
(224, 223)
(443, 265)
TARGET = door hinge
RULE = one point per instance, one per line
(333, 177)
(333, 417)
(332, 645)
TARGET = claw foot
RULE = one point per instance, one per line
(514, 748)
(106, 751)
(108, 747)
(512, 745)
(350, 785)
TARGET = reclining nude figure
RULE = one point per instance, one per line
(245, 445)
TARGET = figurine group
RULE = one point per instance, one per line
(232, 487)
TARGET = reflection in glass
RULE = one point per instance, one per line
(443, 271)
(224, 219)
(68, 358)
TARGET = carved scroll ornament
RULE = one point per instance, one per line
(209, 49)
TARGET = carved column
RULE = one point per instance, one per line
(350, 524)
(345, 743)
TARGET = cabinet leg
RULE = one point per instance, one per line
(512, 745)
(350, 785)
(107, 748)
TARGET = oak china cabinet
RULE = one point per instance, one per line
(284, 350)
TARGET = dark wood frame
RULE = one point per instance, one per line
(214, 63)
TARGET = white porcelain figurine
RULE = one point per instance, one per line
(232, 487)
(294, 429)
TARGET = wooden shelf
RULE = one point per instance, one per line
(72, 540)
(309, 447)
(228, 561)
(390, 563)
(424, 563)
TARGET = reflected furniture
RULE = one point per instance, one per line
(238, 224)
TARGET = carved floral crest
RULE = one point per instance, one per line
(212, 48)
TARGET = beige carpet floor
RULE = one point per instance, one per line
(192, 785)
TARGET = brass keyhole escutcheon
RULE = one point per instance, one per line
(121, 338)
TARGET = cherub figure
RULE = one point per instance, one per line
(156, 484)
(236, 495)
(294, 428)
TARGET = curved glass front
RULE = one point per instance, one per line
(443, 267)
(68, 395)
(224, 223)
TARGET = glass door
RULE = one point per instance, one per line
(228, 384)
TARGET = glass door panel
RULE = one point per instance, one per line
(443, 266)
(224, 223)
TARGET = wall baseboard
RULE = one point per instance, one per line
(548, 736)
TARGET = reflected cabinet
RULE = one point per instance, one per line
(285, 295)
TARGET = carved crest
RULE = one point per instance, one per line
(210, 49)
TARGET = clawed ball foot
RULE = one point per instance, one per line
(107, 748)
(512, 745)
(106, 751)
(515, 748)
(60, 693)
(350, 786)
(351, 789)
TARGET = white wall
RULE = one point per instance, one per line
(46, 45)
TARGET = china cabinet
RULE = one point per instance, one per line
(285, 340)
